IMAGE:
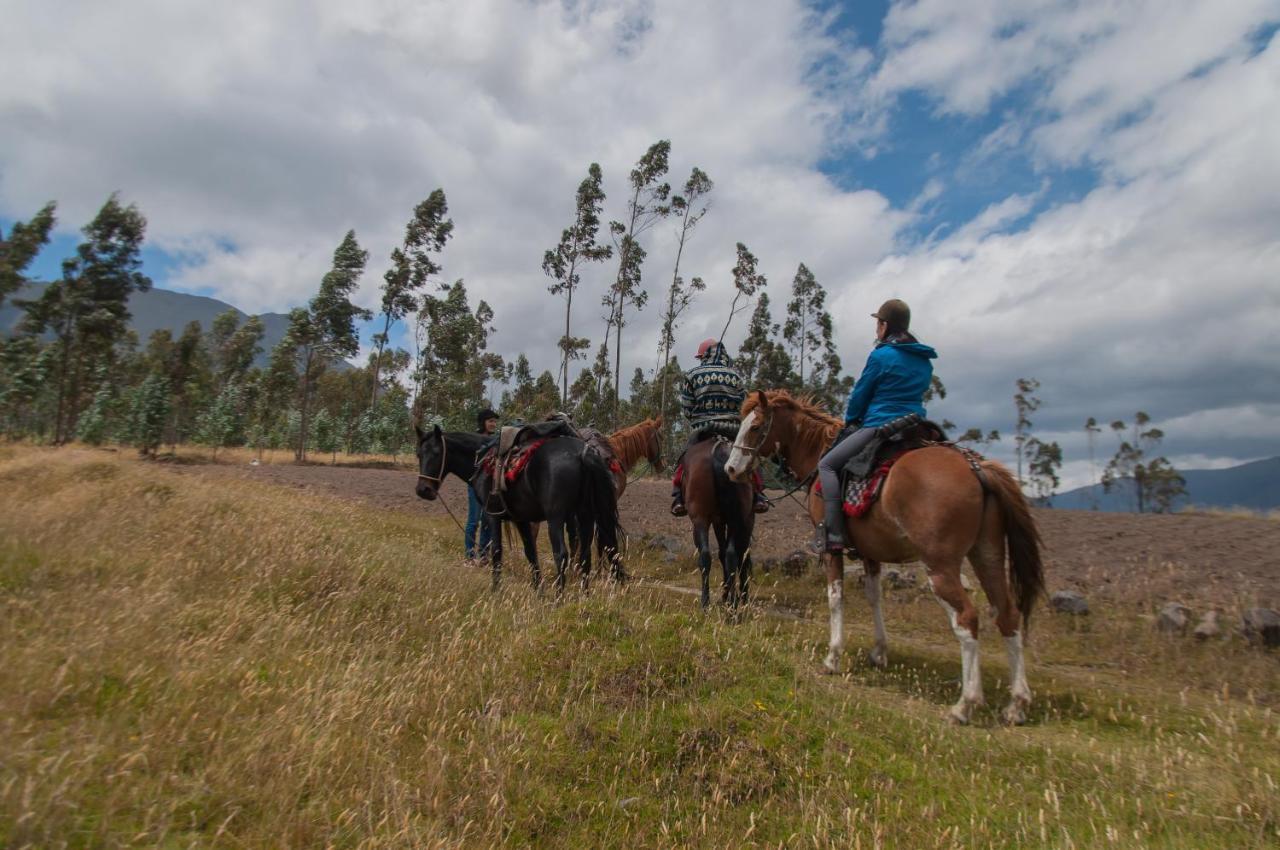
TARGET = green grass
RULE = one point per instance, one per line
(191, 663)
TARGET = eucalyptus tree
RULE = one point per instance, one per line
(323, 331)
(563, 264)
(87, 308)
(747, 280)
(21, 246)
(412, 266)
(453, 366)
(1025, 403)
(647, 205)
(232, 347)
(804, 324)
(690, 205)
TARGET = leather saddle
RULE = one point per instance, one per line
(892, 438)
(514, 438)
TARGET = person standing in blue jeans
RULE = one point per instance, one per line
(487, 423)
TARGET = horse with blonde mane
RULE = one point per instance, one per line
(934, 507)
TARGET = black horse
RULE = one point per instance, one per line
(563, 485)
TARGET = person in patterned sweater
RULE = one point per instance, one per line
(711, 399)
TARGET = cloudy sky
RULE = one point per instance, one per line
(1087, 193)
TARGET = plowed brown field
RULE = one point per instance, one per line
(1192, 557)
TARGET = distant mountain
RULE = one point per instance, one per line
(1253, 485)
(162, 308)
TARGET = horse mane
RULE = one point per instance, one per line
(632, 443)
(813, 425)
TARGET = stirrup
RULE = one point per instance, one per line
(678, 508)
(823, 544)
(760, 505)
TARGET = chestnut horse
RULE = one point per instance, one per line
(933, 508)
(718, 505)
(641, 441)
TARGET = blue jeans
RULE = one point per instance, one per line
(476, 516)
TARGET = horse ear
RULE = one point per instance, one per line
(418, 430)
(762, 400)
(435, 429)
(658, 421)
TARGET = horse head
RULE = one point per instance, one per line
(432, 457)
(653, 447)
(754, 438)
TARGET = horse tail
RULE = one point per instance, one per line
(729, 504)
(1026, 568)
(602, 508)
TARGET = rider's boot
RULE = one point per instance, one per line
(761, 504)
(829, 535)
(677, 502)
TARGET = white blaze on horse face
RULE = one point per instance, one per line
(736, 465)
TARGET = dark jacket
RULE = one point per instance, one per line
(892, 384)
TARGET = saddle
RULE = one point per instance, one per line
(598, 442)
(516, 443)
(864, 474)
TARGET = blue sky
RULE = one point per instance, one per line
(1082, 192)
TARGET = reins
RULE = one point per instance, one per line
(439, 480)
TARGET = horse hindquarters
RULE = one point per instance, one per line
(602, 511)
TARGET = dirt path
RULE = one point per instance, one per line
(1192, 556)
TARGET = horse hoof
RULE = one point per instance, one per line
(879, 659)
(959, 714)
(1014, 714)
(830, 665)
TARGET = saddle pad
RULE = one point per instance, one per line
(861, 492)
(516, 461)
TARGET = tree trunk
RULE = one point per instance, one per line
(300, 452)
(377, 363)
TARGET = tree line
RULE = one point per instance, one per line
(74, 369)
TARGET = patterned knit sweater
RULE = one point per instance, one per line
(712, 394)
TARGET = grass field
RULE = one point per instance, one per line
(189, 662)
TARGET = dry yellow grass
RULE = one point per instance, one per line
(198, 663)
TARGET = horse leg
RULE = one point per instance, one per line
(585, 534)
(703, 545)
(555, 529)
(529, 539)
(987, 557)
(495, 550)
(722, 553)
(835, 606)
(963, 616)
(871, 587)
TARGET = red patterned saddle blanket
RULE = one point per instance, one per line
(860, 493)
(515, 463)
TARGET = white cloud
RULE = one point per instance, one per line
(254, 135)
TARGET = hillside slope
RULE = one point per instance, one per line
(1254, 485)
(163, 309)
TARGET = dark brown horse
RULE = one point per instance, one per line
(934, 509)
(718, 505)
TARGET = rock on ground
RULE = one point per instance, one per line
(1173, 618)
(1262, 626)
(1209, 626)
(1069, 602)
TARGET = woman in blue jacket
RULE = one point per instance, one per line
(892, 384)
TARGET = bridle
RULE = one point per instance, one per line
(753, 452)
(444, 460)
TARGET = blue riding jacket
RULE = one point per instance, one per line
(892, 384)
